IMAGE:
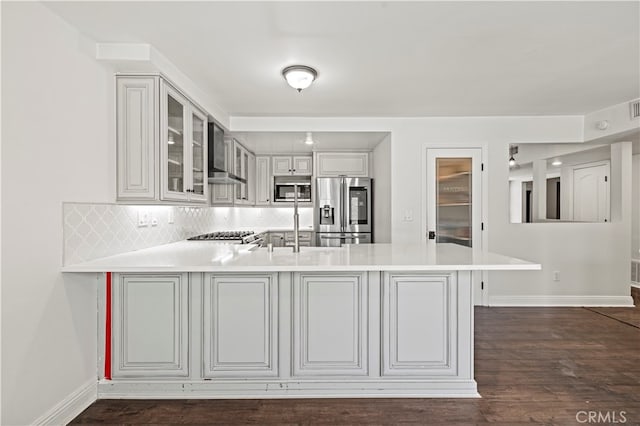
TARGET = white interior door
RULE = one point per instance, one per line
(591, 194)
(454, 201)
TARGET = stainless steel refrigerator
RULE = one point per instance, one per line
(343, 211)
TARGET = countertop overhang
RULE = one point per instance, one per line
(209, 256)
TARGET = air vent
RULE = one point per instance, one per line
(635, 108)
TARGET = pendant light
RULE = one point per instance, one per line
(299, 76)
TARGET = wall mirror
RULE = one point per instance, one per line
(559, 183)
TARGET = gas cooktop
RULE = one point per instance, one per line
(240, 237)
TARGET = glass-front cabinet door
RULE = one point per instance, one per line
(183, 150)
(198, 155)
(173, 140)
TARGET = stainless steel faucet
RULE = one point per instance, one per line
(296, 221)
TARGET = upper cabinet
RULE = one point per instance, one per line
(263, 180)
(353, 164)
(285, 165)
(242, 164)
(222, 194)
(161, 143)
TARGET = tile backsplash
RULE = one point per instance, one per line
(91, 231)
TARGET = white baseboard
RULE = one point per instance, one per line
(288, 388)
(602, 301)
(69, 408)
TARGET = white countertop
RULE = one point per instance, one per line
(210, 256)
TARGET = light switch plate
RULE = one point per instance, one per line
(143, 218)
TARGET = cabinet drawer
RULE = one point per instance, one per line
(302, 236)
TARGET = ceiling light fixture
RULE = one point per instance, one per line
(556, 163)
(513, 150)
(299, 76)
(308, 140)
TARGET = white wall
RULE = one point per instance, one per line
(618, 116)
(635, 206)
(57, 145)
(382, 191)
(590, 257)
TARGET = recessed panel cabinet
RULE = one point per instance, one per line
(240, 325)
(352, 164)
(419, 322)
(330, 324)
(299, 165)
(150, 326)
(263, 180)
(161, 143)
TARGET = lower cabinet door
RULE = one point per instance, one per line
(419, 325)
(330, 324)
(150, 326)
(240, 325)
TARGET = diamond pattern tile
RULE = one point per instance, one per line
(98, 230)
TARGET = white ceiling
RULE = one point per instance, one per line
(388, 58)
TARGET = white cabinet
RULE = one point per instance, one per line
(330, 321)
(353, 164)
(292, 165)
(222, 194)
(419, 325)
(241, 161)
(150, 325)
(251, 179)
(263, 180)
(161, 143)
(305, 238)
(240, 325)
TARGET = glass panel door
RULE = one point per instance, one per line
(175, 145)
(238, 170)
(453, 201)
(197, 153)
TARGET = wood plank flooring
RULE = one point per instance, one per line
(533, 365)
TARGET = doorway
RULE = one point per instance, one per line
(454, 202)
(591, 193)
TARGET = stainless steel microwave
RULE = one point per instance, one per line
(283, 188)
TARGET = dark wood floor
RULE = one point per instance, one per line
(533, 365)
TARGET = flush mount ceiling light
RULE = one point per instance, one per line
(308, 140)
(299, 76)
(556, 163)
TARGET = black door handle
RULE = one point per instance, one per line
(432, 235)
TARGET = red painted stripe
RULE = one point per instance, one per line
(107, 331)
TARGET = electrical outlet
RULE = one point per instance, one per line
(143, 218)
(170, 216)
(154, 221)
(556, 275)
(408, 216)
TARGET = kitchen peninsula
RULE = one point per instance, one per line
(209, 320)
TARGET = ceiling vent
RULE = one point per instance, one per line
(635, 108)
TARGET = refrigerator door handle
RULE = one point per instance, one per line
(342, 206)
